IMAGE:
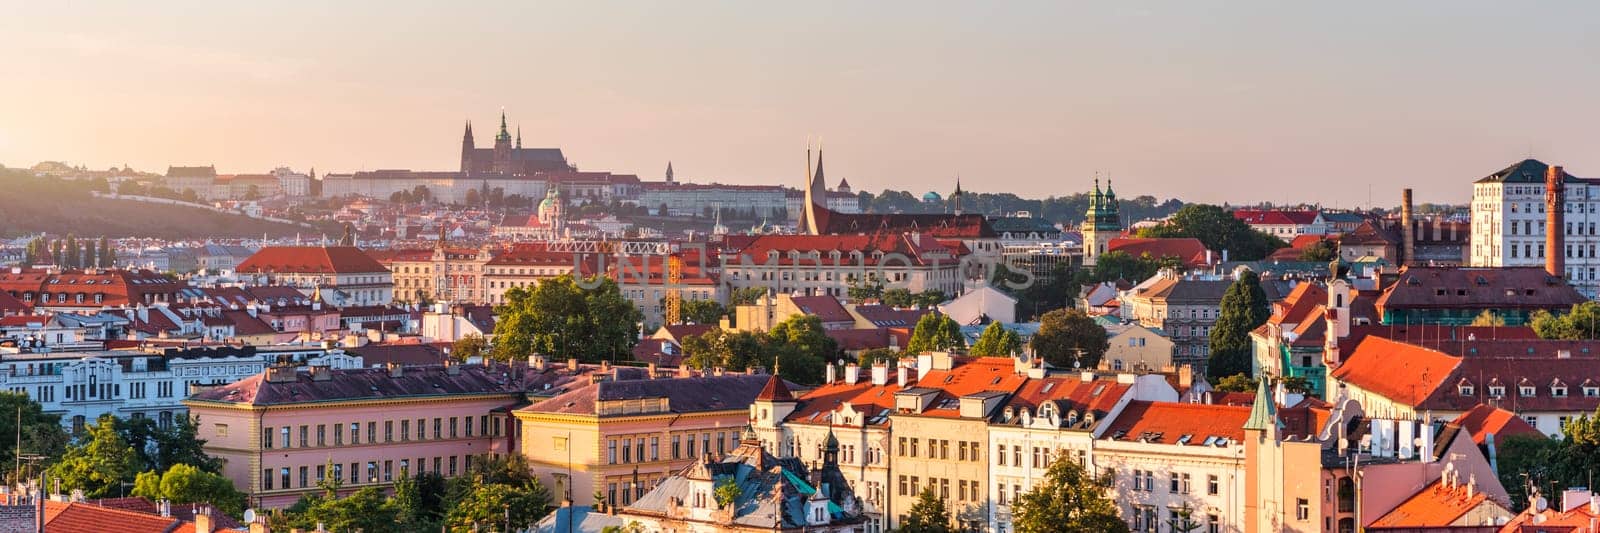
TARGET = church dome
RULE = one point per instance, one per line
(931, 196)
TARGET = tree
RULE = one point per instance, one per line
(868, 288)
(362, 510)
(727, 492)
(935, 332)
(1488, 318)
(930, 298)
(108, 255)
(803, 348)
(90, 255)
(472, 197)
(1217, 229)
(156, 448)
(1069, 338)
(1581, 322)
(1321, 251)
(1236, 383)
(996, 340)
(702, 311)
(41, 433)
(419, 501)
(898, 297)
(70, 253)
(1525, 458)
(873, 355)
(928, 515)
(499, 507)
(1244, 308)
(100, 464)
(187, 484)
(746, 296)
(469, 346)
(560, 317)
(1068, 499)
(253, 193)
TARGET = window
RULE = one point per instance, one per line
(355, 473)
(676, 448)
(405, 430)
(266, 438)
(283, 436)
(1525, 391)
(1302, 509)
(611, 452)
(283, 477)
(655, 447)
(305, 477)
(355, 433)
(1172, 483)
(1000, 458)
(322, 435)
(1213, 485)
(266, 479)
(388, 431)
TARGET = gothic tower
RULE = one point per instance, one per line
(466, 149)
(1101, 223)
(816, 197)
(502, 147)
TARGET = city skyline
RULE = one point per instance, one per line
(1171, 101)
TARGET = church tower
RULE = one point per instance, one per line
(502, 147)
(466, 149)
(816, 197)
(1101, 223)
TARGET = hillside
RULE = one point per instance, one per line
(31, 204)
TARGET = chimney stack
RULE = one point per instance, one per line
(1555, 201)
(1408, 233)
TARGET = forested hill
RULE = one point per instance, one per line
(30, 204)
(1060, 209)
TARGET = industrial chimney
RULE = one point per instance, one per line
(1408, 231)
(1555, 202)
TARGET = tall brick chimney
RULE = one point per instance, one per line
(1408, 230)
(1555, 202)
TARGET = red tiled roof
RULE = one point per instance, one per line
(1070, 393)
(1478, 288)
(826, 308)
(10, 305)
(1484, 419)
(86, 518)
(310, 259)
(1402, 372)
(864, 339)
(969, 376)
(921, 251)
(1187, 249)
(775, 391)
(862, 395)
(1168, 422)
(359, 384)
(1435, 506)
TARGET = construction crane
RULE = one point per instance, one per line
(674, 295)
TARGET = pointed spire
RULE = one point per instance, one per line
(505, 133)
(669, 172)
(1264, 411)
(519, 137)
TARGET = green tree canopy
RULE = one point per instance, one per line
(159, 449)
(1236, 383)
(799, 345)
(746, 296)
(41, 433)
(1068, 336)
(1068, 499)
(1218, 230)
(898, 297)
(702, 312)
(935, 332)
(928, 515)
(469, 346)
(1322, 251)
(1244, 308)
(560, 317)
(99, 464)
(996, 340)
(186, 484)
(1581, 322)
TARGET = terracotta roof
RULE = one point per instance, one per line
(1275, 217)
(1068, 394)
(192, 172)
(86, 518)
(361, 384)
(1484, 419)
(310, 259)
(10, 305)
(1399, 371)
(1435, 506)
(865, 339)
(923, 250)
(775, 391)
(404, 354)
(657, 351)
(1478, 288)
(1187, 249)
(969, 376)
(862, 395)
(1169, 422)
(826, 308)
(935, 224)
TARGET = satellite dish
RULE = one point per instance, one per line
(249, 516)
(1540, 504)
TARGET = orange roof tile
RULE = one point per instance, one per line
(1402, 372)
(1168, 422)
(1484, 419)
(1434, 506)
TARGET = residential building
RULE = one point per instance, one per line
(339, 275)
(815, 265)
(197, 179)
(526, 264)
(1290, 343)
(1135, 348)
(1510, 212)
(1459, 295)
(293, 184)
(618, 435)
(1284, 224)
(85, 290)
(1183, 307)
(281, 432)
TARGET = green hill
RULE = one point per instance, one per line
(30, 204)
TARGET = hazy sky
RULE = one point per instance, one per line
(1256, 101)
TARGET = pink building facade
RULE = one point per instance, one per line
(281, 433)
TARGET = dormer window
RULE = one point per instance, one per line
(1591, 392)
(1497, 391)
(1525, 391)
(1466, 390)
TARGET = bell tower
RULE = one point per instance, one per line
(1101, 223)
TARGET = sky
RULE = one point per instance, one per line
(1341, 104)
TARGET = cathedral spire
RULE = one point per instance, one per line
(505, 134)
(669, 172)
(519, 137)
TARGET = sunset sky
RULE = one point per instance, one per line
(1271, 101)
